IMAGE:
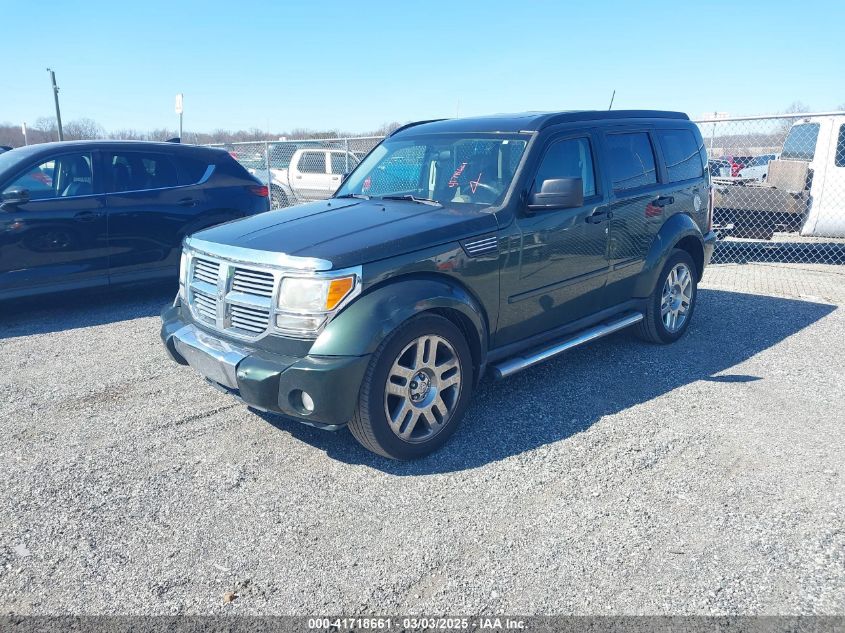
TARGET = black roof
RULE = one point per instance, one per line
(532, 121)
(46, 148)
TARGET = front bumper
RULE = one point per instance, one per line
(265, 380)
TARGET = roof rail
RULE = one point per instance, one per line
(407, 125)
(587, 115)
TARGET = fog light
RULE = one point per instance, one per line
(307, 402)
(301, 401)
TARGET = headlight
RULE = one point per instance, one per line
(306, 304)
(302, 294)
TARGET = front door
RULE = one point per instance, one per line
(562, 265)
(58, 238)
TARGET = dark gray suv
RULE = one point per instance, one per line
(455, 248)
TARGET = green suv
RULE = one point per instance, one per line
(456, 248)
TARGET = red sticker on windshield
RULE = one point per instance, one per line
(367, 183)
(453, 181)
(473, 184)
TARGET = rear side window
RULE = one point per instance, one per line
(138, 171)
(631, 160)
(839, 159)
(569, 158)
(312, 163)
(191, 170)
(680, 151)
(800, 143)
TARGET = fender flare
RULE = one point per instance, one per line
(675, 229)
(361, 327)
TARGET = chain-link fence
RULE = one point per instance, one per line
(302, 170)
(778, 181)
(778, 187)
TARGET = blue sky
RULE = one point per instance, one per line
(356, 65)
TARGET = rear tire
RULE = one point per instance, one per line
(278, 198)
(671, 305)
(416, 389)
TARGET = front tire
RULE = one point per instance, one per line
(416, 389)
(672, 303)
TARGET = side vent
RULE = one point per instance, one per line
(481, 246)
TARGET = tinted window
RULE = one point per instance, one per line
(60, 177)
(339, 163)
(839, 159)
(191, 170)
(631, 160)
(571, 158)
(138, 171)
(680, 151)
(800, 143)
(312, 163)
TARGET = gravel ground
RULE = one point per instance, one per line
(700, 478)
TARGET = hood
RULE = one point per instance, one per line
(349, 232)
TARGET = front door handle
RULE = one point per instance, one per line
(662, 201)
(87, 216)
(187, 202)
(598, 216)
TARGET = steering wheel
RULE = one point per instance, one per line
(490, 192)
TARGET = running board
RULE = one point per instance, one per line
(524, 361)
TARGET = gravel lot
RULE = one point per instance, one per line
(704, 477)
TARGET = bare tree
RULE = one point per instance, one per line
(83, 129)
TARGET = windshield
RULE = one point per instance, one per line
(761, 161)
(800, 144)
(447, 168)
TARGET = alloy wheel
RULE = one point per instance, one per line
(423, 388)
(677, 298)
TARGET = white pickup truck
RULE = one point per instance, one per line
(804, 189)
(311, 174)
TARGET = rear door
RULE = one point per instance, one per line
(57, 239)
(148, 210)
(681, 154)
(638, 204)
(312, 180)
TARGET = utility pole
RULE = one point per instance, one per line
(179, 110)
(56, 96)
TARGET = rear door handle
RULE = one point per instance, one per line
(87, 216)
(187, 202)
(662, 201)
(599, 216)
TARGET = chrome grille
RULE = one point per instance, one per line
(230, 297)
(206, 270)
(253, 282)
(205, 306)
(249, 319)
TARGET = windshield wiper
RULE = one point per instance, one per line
(359, 196)
(411, 198)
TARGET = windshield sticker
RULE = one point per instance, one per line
(367, 182)
(453, 181)
(473, 184)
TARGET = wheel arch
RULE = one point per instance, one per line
(361, 327)
(679, 231)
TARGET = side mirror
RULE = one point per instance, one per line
(558, 193)
(12, 197)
